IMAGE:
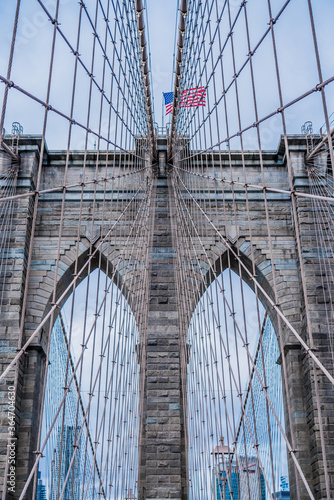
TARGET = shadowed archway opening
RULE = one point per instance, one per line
(91, 406)
(235, 445)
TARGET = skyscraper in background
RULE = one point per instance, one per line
(259, 417)
(60, 450)
(282, 495)
(64, 451)
(234, 476)
(41, 489)
(240, 480)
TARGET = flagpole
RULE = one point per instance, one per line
(162, 110)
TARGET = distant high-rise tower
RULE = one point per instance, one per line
(282, 495)
(41, 489)
(240, 481)
(237, 479)
(64, 451)
(61, 451)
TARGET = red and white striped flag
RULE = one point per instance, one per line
(192, 97)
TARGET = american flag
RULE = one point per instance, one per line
(192, 97)
(188, 98)
(169, 99)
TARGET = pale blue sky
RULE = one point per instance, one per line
(295, 53)
(32, 55)
(162, 22)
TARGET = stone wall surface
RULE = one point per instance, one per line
(162, 468)
(163, 454)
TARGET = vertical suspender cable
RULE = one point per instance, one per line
(180, 44)
(146, 71)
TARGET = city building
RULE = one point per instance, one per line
(282, 495)
(41, 489)
(236, 478)
(64, 451)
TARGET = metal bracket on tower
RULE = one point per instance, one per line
(11, 147)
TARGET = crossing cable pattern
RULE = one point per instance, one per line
(87, 416)
(320, 174)
(226, 219)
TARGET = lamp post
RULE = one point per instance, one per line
(222, 458)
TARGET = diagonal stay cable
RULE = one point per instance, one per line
(308, 350)
(264, 389)
(32, 472)
(260, 187)
(278, 111)
(66, 187)
(68, 288)
(63, 115)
